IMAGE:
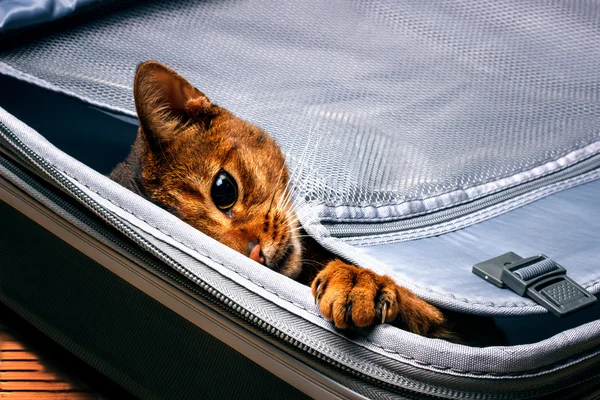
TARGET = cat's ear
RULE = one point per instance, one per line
(166, 102)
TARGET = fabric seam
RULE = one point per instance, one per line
(477, 217)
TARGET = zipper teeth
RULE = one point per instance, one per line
(207, 292)
(359, 229)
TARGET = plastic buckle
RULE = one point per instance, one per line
(538, 278)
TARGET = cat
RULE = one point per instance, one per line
(228, 178)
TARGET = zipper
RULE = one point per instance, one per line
(354, 229)
(174, 273)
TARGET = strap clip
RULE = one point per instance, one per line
(539, 278)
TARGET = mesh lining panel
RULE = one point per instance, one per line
(374, 102)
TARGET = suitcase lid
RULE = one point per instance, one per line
(386, 110)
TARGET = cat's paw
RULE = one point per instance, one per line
(353, 296)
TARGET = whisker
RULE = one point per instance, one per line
(292, 229)
(287, 195)
(313, 264)
(303, 236)
(281, 173)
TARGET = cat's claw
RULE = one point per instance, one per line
(384, 312)
(352, 296)
(349, 314)
(318, 293)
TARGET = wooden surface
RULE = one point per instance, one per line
(25, 374)
(34, 367)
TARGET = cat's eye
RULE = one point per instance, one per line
(224, 191)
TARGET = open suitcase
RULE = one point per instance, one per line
(424, 139)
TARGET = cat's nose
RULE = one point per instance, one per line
(256, 253)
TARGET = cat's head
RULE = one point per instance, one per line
(222, 175)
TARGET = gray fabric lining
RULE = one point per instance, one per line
(475, 217)
(406, 108)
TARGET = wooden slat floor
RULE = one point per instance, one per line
(33, 367)
(24, 374)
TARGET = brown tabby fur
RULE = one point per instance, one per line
(184, 141)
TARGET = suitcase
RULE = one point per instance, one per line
(453, 147)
